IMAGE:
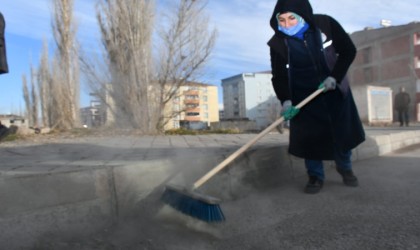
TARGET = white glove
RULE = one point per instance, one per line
(286, 105)
(329, 83)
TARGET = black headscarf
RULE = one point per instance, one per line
(301, 7)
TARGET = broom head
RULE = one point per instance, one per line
(202, 207)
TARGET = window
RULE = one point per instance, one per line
(192, 105)
(192, 88)
(417, 62)
(235, 87)
(191, 97)
(175, 124)
(176, 107)
(417, 38)
(236, 103)
(368, 75)
(367, 55)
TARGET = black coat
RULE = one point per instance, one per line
(3, 59)
(402, 101)
(299, 66)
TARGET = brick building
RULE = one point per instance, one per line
(389, 57)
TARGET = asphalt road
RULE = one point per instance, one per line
(382, 213)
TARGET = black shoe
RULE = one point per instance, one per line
(348, 177)
(314, 185)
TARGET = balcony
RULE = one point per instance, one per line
(192, 101)
(191, 92)
(192, 109)
(192, 116)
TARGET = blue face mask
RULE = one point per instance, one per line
(291, 31)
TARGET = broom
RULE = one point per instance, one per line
(205, 207)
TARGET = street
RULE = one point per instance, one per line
(382, 213)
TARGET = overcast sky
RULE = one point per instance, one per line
(243, 28)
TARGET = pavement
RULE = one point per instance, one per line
(103, 193)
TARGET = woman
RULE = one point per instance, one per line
(307, 50)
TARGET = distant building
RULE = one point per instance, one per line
(389, 57)
(195, 106)
(250, 96)
(93, 116)
(9, 120)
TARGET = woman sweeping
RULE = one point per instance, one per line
(308, 52)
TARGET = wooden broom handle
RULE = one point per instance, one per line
(242, 149)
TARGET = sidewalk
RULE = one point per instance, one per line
(74, 154)
(80, 185)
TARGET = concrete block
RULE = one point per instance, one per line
(398, 145)
(397, 137)
(35, 192)
(367, 152)
(384, 149)
(26, 231)
(382, 140)
(47, 204)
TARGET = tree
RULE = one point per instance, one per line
(139, 79)
(65, 80)
(30, 96)
(186, 46)
(126, 32)
(44, 90)
(55, 92)
(27, 99)
(35, 100)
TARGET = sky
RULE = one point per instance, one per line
(242, 25)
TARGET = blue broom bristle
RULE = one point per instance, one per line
(193, 207)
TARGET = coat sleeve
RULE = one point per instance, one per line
(3, 60)
(345, 49)
(279, 71)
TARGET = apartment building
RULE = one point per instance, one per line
(94, 115)
(389, 57)
(195, 106)
(250, 96)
